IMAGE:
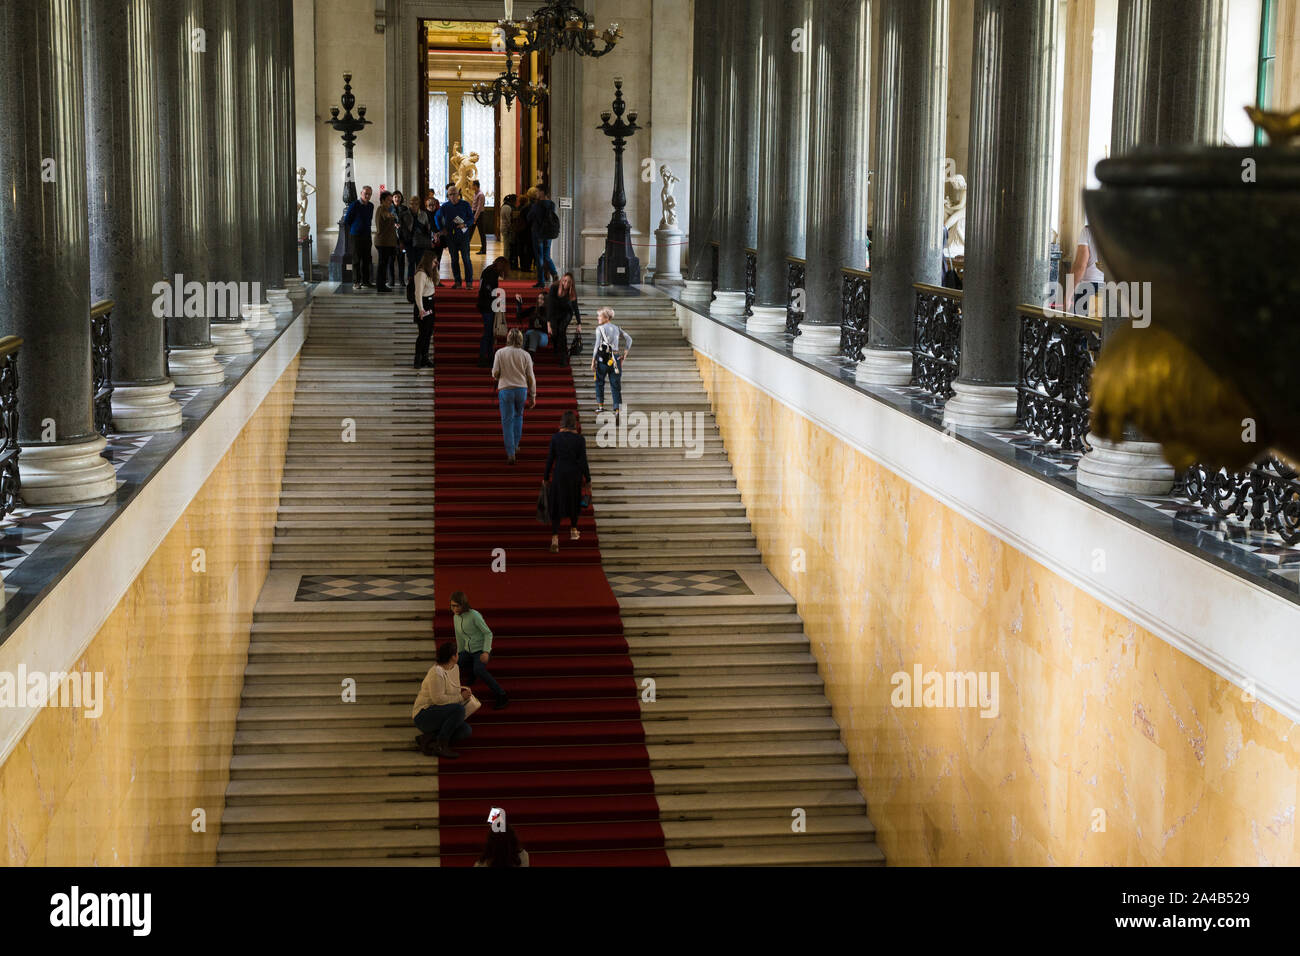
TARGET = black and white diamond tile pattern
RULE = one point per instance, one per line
(676, 583)
(1262, 544)
(122, 448)
(364, 587)
(23, 532)
(183, 396)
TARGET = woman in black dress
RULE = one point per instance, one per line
(561, 309)
(568, 457)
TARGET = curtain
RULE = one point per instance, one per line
(479, 135)
(439, 148)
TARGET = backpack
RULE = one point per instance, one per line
(550, 224)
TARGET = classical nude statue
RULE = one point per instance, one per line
(666, 196)
(305, 190)
(955, 216)
(465, 175)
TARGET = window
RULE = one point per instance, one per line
(1242, 70)
(438, 145)
(1267, 60)
(478, 132)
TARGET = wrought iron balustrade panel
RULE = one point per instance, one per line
(713, 260)
(1056, 361)
(101, 378)
(1266, 495)
(10, 482)
(751, 280)
(794, 283)
(855, 313)
(936, 351)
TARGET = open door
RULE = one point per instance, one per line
(423, 108)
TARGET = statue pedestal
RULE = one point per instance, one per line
(668, 256)
(341, 259)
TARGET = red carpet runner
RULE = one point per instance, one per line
(567, 759)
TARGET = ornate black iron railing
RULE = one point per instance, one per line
(713, 265)
(794, 283)
(1057, 353)
(936, 349)
(855, 312)
(10, 482)
(751, 279)
(1266, 494)
(101, 364)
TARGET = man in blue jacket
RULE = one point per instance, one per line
(457, 218)
(357, 222)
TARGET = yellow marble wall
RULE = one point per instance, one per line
(1100, 724)
(121, 789)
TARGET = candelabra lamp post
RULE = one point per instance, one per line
(619, 265)
(348, 125)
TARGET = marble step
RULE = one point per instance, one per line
(759, 831)
(325, 846)
(860, 853)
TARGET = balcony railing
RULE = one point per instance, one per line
(10, 483)
(855, 312)
(936, 350)
(101, 364)
(795, 277)
(713, 265)
(1057, 353)
(1267, 495)
(751, 279)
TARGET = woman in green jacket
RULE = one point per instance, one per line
(474, 646)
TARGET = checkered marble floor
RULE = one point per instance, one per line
(627, 584)
(364, 587)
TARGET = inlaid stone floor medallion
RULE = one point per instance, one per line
(676, 583)
(364, 587)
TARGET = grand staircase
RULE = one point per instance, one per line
(317, 780)
(740, 733)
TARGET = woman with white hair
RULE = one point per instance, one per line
(605, 360)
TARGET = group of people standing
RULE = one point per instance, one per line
(403, 230)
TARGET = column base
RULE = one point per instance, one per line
(729, 305)
(766, 319)
(66, 474)
(885, 367)
(1125, 468)
(981, 406)
(257, 315)
(190, 367)
(698, 288)
(296, 288)
(230, 338)
(278, 301)
(823, 340)
(145, 408)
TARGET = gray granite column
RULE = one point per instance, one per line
(783, 158)
(44, 262)
(1007, 228)
(182, 108)
(227, 325)
(704, 142)
(1169, 73)
(738, 193)
(838, 163)
(253, 211)
(907, 234)
(272, 192)
(288, 126)
(124, 205)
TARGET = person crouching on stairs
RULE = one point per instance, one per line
(439, 710)
(474, 642)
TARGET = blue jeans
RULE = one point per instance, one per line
(470, 664)
(444, 721)
(512, 402)
(615, 382)
(459, 246)
(542, 256)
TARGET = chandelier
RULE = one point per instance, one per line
(560, 27)
(509, 86)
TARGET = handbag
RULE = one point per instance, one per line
(472, 705)
(586, 494)
(575, 346)
(544, 505)
(499, 327)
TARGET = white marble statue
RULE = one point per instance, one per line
(954, 216)
(305, 190)
(466, 173)
(453, 163)
(669, 220)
